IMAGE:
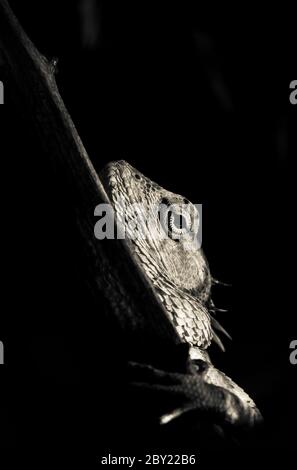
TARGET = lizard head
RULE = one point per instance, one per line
(163, 228)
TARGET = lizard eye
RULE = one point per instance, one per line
(175, 221)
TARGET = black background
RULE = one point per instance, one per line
(198, 102)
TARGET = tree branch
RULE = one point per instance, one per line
(33, 79)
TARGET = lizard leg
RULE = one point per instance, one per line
(189, 393)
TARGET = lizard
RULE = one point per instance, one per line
(181, 278)
(177, 269)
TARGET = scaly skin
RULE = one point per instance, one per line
(179, 272)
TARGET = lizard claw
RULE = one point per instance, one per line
(193, 396)
(228, 411)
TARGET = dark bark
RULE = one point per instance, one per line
(32, 78)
